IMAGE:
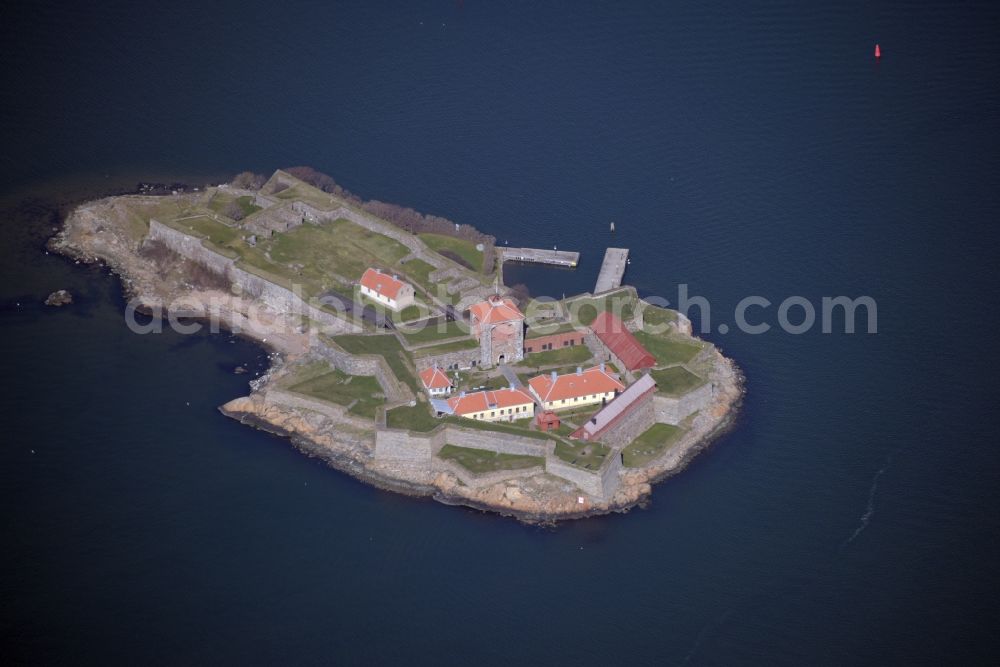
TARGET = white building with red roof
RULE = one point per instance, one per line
(572, 390)
(386, 289)
(499, 325)
(436, 382)
(490, 405)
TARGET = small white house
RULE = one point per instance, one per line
(387, 290)
(436, 382)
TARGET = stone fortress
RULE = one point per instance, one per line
(595, 450)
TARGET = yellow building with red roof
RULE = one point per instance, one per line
(499, 325)
(490, 405)
(572, 390)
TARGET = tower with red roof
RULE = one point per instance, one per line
(499, 325)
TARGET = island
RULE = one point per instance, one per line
(400, 357)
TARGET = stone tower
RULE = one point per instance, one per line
(499, 325)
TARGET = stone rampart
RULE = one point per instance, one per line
(459, 359)
(600, 484)
(482, 479)
(397, 445)
(274, 296)
(495, 441)
(671, 410)
(631, 425)
(368, 364)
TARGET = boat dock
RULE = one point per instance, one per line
(538, 256)
(612, 270)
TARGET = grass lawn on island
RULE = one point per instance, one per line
(217, 233)
(386, 346)
(676, 380)
(454, 346)
(549, 328)
(573, 354)
(587, 455)
(340, 247)
(585, 310)
(669, 350)
(478, 460)
(343, 389)
(656, 316)
(648, 446)
(461, 250)
(427, 331)
(219, 201)
(417, 418)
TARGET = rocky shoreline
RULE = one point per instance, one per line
(98, 232)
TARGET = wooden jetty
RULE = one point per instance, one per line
(538, 256)
(612, 270)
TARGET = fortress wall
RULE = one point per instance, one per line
(632, 425)
(463, 358)
(400, 445)
(336, 412)
(483, 479)
(504, 443)
(394, 444)
(600, 484)
(189, 246)
(274, 296)
(394, 390)
(675, 410)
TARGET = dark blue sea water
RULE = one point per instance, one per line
(742, 148)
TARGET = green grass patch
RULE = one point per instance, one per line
(574, 354)
(385, 346)
(478, 460)
(650, 445)
(676, 380)
(435, 329)
(461, 250)
(339, 246)
(539, 329)
(668, 350)
(454, 346)
(217, 233)
(585, 310)
(587, 455)
(417, 418)
(656, 316)
(343, 389)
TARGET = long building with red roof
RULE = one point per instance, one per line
(491, 405)
(573, 390)
(626, 351)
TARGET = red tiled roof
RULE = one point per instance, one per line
(495, 309)
(489, 400)
(382, 283)
(434, 378)
(621, 342)
(594, 380)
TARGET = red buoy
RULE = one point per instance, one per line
(878, 52)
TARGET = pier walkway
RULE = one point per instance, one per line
(612, 270)
(538, 256)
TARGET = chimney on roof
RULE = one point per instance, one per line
(554, 376)
(579, 370)
(511, 386)
(461, 394)
(602, 367)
